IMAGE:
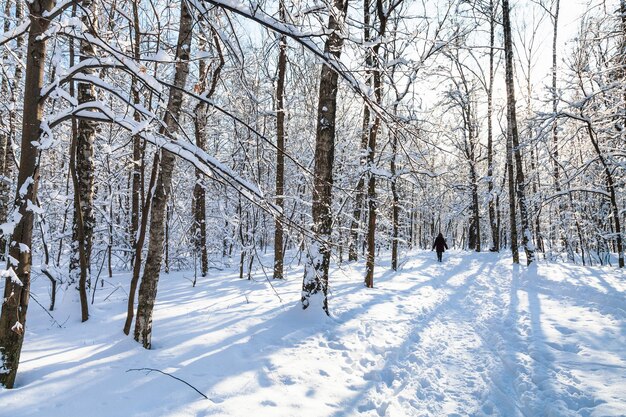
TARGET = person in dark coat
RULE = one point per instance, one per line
(441, 245)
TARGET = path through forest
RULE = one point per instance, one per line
(471, 336)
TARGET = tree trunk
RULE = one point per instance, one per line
(84, 173)
(141, 237)
(610, 185)
(138, 144)
(17, 289)
(555, 99)
(371, 146)
(555, 132)
(474, 226)
(514, 141)
(200, 121)
(493, 223)
(315, 279)
(152, 268)
(356, 224)
(280, 151)
(395, 208)
(5, 140)
(475, 223)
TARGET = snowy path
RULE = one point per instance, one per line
(477, 343)
(468, 337)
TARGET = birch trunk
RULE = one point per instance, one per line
(493, 223)
(512, 132)
(84, 173)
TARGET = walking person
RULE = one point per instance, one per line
(441, 246)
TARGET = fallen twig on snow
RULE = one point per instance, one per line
(170, 375)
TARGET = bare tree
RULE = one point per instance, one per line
(152, 268)
(200, 121)
(83, 170)
(513, 148)
(495, 232)
(315, 279)
(280, 149)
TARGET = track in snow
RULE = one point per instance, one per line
(474, 344)
(469, 337)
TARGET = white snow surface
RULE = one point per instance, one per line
(472, 336)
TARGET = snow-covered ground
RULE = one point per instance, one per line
(472, 336)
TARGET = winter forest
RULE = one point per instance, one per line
(279, 171)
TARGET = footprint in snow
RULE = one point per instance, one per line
(567, 347)
(564, 330)
(368, 406)
(337, 346)
(287, 380)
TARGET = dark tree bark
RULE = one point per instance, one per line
(395, 208)
(493, 223)
(470, 153)
(512, 132)
(280, 151)
(610, 185)
(138, 144)
(5, 140)
(141, 238)
(200, 121)
(315, 279)
(17, 290)
(555, 99)
(356, 224)
(152, 268)
(474, 228)
(382, 14)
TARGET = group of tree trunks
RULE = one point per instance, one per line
(149, 202)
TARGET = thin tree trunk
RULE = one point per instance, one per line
(152, 268)
(555, 132)
(315, 278)
(7, 162)
(200, 121)
(43, 228)
(356, 224)
(17, 289)
(610, 185)
(5, 140)
(395, 208)
(475, 223)
(383, 15)
(514, 141)
(493, 223)
(83, 173)
(141, 237)
(280, 151)
(555, 99)
(138, 145)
